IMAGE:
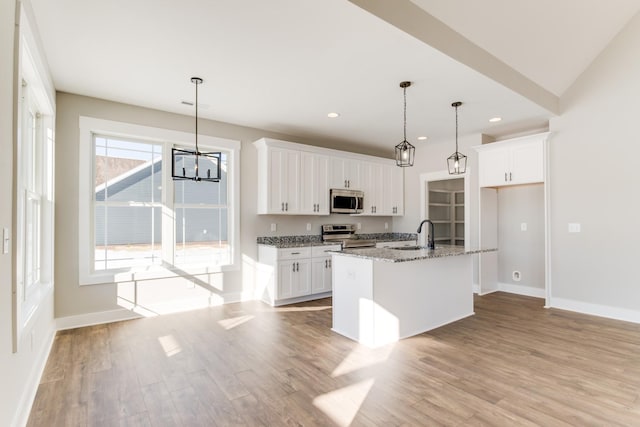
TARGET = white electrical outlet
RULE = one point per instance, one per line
(359, 226)
(574, 227)
(274, 227)
(523, 226)
(386, 225)
(516, 275)
(308, 226)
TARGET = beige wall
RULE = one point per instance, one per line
(72, 299)
(521, 250)
(594, 181)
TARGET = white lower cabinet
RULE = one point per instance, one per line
(321, 270)
(292, 275)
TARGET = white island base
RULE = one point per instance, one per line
(377, 302)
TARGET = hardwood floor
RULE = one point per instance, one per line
(513, 363)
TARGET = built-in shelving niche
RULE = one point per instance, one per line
(446, 210)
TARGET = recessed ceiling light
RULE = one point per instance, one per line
(422, 138)
(495, 119)
(333, 115)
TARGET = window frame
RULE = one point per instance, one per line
(35, 94)
(89, 127)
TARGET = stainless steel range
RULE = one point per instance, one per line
(346, 235)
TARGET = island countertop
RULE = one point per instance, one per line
(398, 255)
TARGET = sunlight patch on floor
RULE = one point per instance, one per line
(342, 405)
(232, 322)
(362, 357)
(170, 345)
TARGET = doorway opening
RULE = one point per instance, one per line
(445, 201)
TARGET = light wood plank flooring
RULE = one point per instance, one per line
(513, 363)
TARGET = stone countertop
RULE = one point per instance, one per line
(282, 242)
(397, 255)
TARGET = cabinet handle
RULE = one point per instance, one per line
(295, 253)
(349, 183)
(330, 263)
(326, 263)
(286, 206)
(510, 179)
(282, 207)
(505, 177)
(293, 267)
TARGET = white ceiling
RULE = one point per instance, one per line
(282, 65)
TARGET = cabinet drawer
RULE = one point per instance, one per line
(318, 251)
(294, 253)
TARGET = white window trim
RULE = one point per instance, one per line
(27, 303)
(90, 126)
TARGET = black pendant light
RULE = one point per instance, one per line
(195, 165)
(457, 162)
(405, 152)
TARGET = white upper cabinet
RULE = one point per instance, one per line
(315, 184)
(393, 190)
(346, 173)
(295, 179)
(279, 186)
(372, 183)
(512, 162)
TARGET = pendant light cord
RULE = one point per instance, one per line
(405, 112)
(456, 128)
(197, 151)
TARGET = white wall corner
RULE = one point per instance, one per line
(599, 310)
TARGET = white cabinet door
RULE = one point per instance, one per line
(321, 275)
(372, 185)
(345, 173)
(294, 278)
(494, 165)
(314, 192)
(284, 181)
(392, 190)
(527, 163)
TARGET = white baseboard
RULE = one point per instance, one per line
(96, 318)
(521, 290)
(31, 387)
(596, 309)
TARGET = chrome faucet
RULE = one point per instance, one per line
(431, 243)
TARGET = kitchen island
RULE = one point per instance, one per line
(383, 295)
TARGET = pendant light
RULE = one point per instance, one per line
(189, 164)
(457, 162)
(405, 152)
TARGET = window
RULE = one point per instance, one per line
(139, 223)
(34, 190)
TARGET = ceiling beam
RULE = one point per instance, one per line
(412, 19)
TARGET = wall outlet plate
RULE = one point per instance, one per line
(574, 227)
(516, 276)
(274, 227)
(523, 226)
(308, 226)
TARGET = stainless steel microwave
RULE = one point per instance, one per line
(346, 201)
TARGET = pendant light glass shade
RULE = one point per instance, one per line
(194, 165)
(405, 152)
(457, 162)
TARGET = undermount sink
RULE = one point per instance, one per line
(411, 248)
